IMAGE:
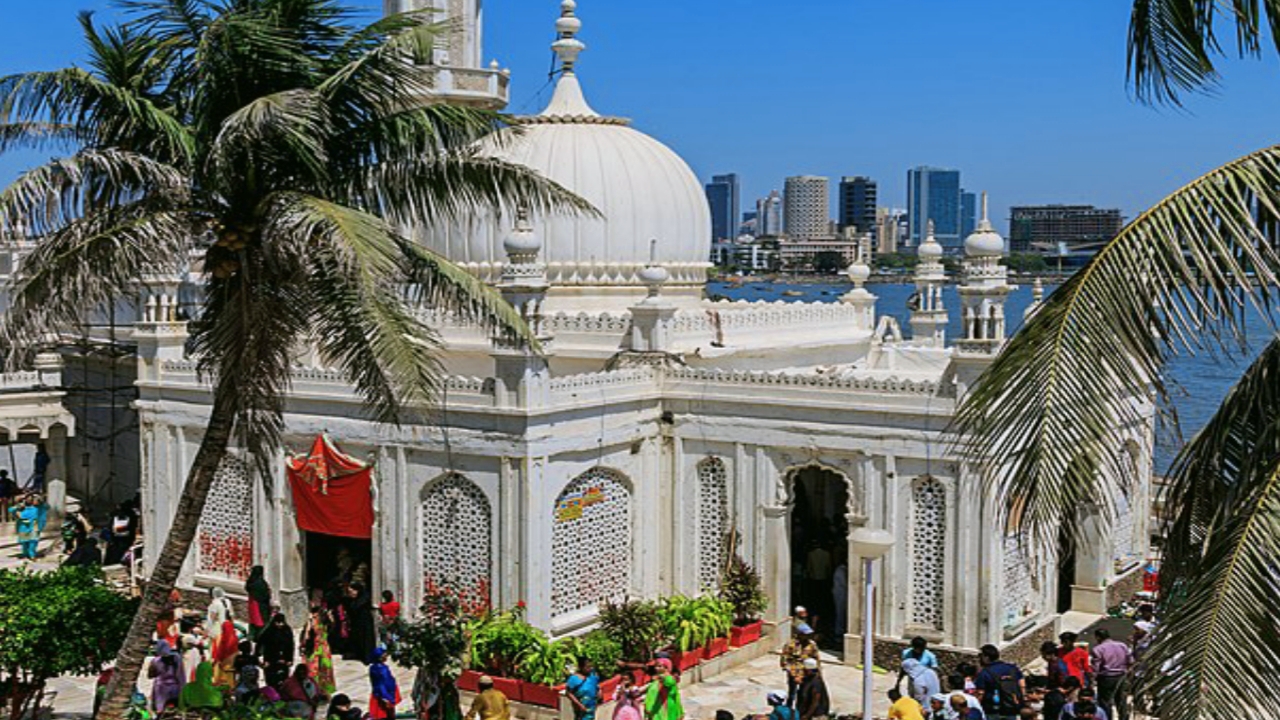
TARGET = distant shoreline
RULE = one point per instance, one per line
(875, 279)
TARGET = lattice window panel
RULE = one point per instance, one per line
(590, 542)
(457, 539)
(928, 553)
(225, 537)
(1017, 597)
(712, 521)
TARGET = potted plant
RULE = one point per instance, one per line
(715, 616)
(498, 641)
(541, 669)
(685, 629)
(741, 588)
(637, 628)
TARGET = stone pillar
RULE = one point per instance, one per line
(1094, 565)
(777, 570)
(56, 474)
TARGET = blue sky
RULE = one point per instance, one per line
(1028, 99)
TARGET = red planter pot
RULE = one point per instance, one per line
(540, 695)
(740, 635)
(469, 680)
(510, 688)
(609, 687)
(685, 661)
(715, 648)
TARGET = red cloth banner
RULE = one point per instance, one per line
(331, 491)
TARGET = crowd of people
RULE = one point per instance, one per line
(82, 543)
(206, 661)
(1079, 681)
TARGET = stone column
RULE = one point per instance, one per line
(777, 570)
(1094, 565)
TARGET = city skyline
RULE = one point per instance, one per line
(1087, 142)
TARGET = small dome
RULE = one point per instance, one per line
(523, 242)
(929, 249)
(985, 241)
(858, 272)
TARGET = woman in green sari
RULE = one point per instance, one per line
(201, 693)
(662, 701)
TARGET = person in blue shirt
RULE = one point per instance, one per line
(778, 709)
(583, 690)
(920, 652)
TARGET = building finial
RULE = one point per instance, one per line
(929, 231)
(567, 45)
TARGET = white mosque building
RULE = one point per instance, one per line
(656, 421)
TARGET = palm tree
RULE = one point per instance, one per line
(1180, 278)
(281, 146)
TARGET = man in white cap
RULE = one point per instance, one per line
(812, 700)
(490, 704)
(799, 649)
(800, 616)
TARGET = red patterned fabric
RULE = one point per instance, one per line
(331, 491)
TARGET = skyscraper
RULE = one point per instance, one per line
(858, 203)
(808, 207)
(769, 215)
(726, 214)
(935, 194)
(968, 213)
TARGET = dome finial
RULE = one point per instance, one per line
(985, 223)
(567, 45)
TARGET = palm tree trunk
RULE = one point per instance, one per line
(186, 521)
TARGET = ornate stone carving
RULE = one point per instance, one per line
(457, 536)
(928, 553)
(712, 522)
(224, 544)
(591, 542)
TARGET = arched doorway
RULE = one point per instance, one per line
(819, 550)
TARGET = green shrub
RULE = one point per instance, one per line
(500, 639)
(544, 662)
(742, 589)
(436, 641)
(66, 622)
(603, 651)
(635, 625)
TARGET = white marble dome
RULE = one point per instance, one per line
(643, 190)
(984, 241)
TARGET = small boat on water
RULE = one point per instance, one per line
(792, 293)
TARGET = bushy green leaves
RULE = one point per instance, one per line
(65, 622)
(742, 588)
(636, 624)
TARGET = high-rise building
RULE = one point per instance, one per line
(769, 215)
(722, 195)
(968, 213)
(888, 233)
(750, 221)
(1046, 227)
(808, 207)
(935, 194)
(858, 204)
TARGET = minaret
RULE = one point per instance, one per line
(859, 297)
(983, 293)
(461, 75)
(928, 314)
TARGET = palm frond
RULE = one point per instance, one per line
(1173, 43)
(451, 188)
(89, 263)
(103, 114)
(359, 317)
(50, 196)
(37, 136)
(1042, 418)
(174, 22)
(1221, 587)
(435, 282)
(286, 131)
